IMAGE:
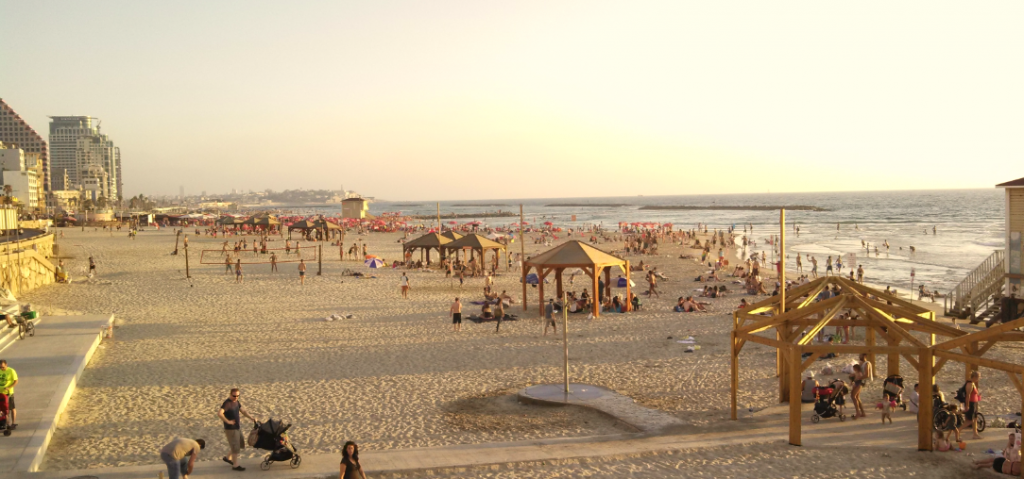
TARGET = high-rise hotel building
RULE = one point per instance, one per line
(14, 130)
(86, 156)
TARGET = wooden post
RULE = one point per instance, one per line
(320, 259)
(924, 415)
(522, 256)
(734, 365)
(782, 260)
(177, 235)
(794, 395)
(870, 341)
(558, 281)
(608, 283)
(629, 289)
(540, 286)
(187, 275)
(595, 300)
(565, 335)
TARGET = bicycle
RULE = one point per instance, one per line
(25, 327)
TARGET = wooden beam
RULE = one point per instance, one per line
(810, 360)
(987, 334)
(1016, 381)
(913, 362)
(794, 396)
(938, 365)
(856, 349)
(734, 373)
(823, 322)
(987, 363)
(881, 295)
(925, 381)
(792, 314)
(763, 340)
(889, 323)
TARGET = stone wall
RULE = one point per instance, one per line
(23, 270)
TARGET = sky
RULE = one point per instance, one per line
(449, 100)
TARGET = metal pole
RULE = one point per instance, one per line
(565, 336)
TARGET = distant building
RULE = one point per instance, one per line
(23, 181)
(354, 208)
(13, 129)
(79, 148)
(1014, 269)
(65, 200)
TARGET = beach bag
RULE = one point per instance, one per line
(253, 435)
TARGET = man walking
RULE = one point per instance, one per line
(549, 317)
(404, 283)
(456, 311)
(9, 379)
(180, 455)
(273, 262)
(230, 414)
(302, 271)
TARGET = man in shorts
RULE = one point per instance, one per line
(302, 271)
(230, 414)
(9, 379)
(456, 311)
(549, 317)
(404, 283)
(180, 455)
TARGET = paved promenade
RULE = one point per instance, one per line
(48, 367)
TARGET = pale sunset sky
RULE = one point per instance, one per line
(422, 100)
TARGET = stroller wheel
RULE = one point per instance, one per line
(266, 464)
(815, 419)
(7, 432)
(296, 461)
(842, 417)
(980, 419)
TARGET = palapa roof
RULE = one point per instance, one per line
(430, 240)
(451, 235)
(473, 241)
(575, 253)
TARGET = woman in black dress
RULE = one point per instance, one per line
(350, 467)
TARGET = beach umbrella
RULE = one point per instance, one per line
(374, 263)
(494, 236)
(453, 222)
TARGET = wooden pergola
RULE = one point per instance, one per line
(471, 244)
(426, 243)
(884, 317)
(575, 254)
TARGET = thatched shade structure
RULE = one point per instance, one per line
(473, 244)
(576, 254)
(908, 331)
(426, 243)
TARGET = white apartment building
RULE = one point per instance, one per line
(23, 181)
(78, 148)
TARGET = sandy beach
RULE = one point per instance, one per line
(395, 375)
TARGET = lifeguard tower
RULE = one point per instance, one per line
(355, 208)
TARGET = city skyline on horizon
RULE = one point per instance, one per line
(404, 101)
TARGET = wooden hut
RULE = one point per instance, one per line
(426, 243)
(576, 254)
(471, 244)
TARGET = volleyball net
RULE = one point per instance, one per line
(283, 255)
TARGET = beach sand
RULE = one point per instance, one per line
(394, 376)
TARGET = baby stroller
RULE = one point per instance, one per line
(892, 390)
(3, 415)
(828, 400)
(270, 436)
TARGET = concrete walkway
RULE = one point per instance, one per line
(48, 367)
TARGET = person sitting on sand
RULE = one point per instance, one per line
(1011, 453)
(743, 303)
(485, 311)
(488, 295)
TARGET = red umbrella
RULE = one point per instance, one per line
(453, 222)
(548, 223)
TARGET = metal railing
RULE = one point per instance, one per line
(978, 287)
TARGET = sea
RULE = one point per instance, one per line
(969, 225)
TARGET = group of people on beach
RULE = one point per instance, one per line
(180, 454)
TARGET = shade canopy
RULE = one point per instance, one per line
(262, 221)
(575, 253)
(473, 241)
(304, 225)
(430, 240)
(451, 235)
